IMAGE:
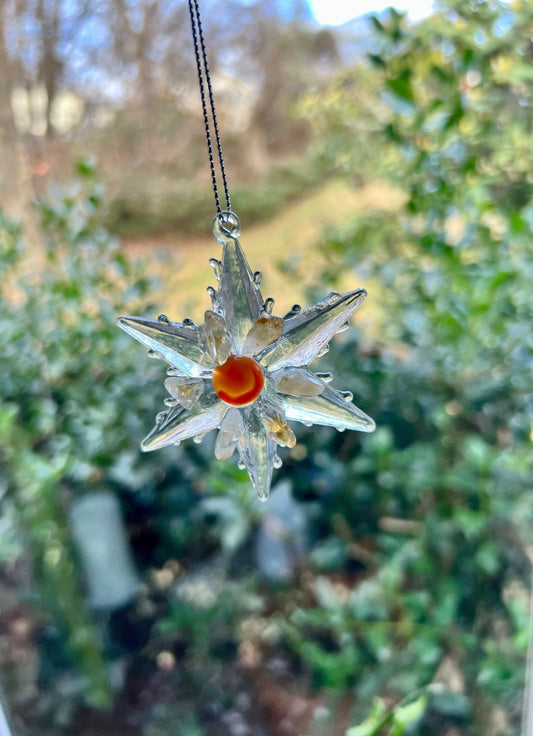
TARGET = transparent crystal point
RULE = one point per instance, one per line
(179, 423)
(238, 294)
(257, 452)
(229, 435)
(186, 390)
(329, 408)
(265, 331)
(296, 382)
(217, 339)
(178, 344)
(305, 334)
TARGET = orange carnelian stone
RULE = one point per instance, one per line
(238, 381)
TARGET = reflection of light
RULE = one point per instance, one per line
(166, 661)
(334, 12)
(52, 556)
(67, 109)
(29, 109)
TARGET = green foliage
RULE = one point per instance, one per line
(35, 486)
(398, 720)
(203, 613)
(188, 211)
(62, 365)
(452, 453)
(344, 115)
(65, 365)
(75, 405)
(165, 720)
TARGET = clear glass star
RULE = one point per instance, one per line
(245, 371)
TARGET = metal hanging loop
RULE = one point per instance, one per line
(226, 224)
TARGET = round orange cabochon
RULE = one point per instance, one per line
(238, 381)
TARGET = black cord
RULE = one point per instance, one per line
(197, 33)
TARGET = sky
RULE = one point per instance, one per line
(333, 12)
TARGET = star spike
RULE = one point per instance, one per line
(240, 327)
(238, 297)
(180, 345)
(329, 408)
(257, 452)
(178, 424)
(309, 331)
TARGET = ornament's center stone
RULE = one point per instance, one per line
(238, 381)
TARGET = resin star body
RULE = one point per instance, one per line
(244, 371)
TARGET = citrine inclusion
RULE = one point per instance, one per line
(245, 371)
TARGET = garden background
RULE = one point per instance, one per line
(384, 588)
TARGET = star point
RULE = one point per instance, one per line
(245, 371)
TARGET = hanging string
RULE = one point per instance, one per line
(197, 33)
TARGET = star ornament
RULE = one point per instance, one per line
(245, 371)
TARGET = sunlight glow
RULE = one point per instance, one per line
(335, 12)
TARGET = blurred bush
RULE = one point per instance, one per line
(187, 211)
(452, 374)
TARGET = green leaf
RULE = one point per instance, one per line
(401, 86)
(377, 61)
(86, 167)
(371, 726)
(442, 74)
(378, 25)
(404, 716)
